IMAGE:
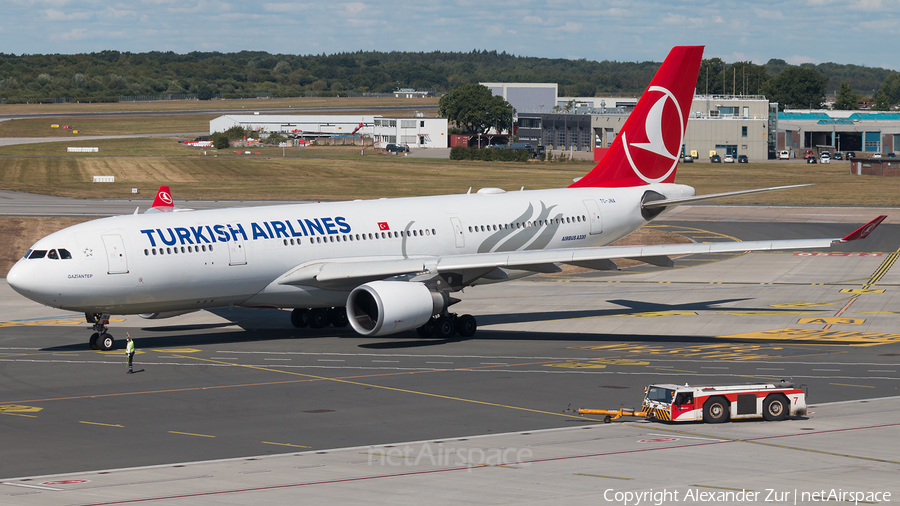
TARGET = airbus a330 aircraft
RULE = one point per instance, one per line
(384, 266)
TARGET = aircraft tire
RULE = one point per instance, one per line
(300, 317)
(338, 317)
(444, 327)
(466, 325)
(95, 337)
(424, 331)
(318, 318)
(106, 342)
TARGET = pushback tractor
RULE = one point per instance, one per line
(714, 404)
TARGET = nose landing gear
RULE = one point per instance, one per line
(100, 339)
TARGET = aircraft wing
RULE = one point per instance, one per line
(348, 273)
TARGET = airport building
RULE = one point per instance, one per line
(862, 132)
(418, 132)
(725, 125)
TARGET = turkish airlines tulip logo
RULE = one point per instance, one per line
(659, 155)
(165, 197)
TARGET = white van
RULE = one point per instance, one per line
(784, 155)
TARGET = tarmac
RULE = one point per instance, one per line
(237, 407)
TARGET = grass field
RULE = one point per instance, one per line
(338, 173)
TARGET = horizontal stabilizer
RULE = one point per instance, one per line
(699, 198)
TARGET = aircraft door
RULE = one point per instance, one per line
(458, 231)
(237, 253)
(593, 209)
(115, 254)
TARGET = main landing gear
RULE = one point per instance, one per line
(448, 324)
(100, 339)
(319, 317)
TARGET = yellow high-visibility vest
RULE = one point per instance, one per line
(130, 347)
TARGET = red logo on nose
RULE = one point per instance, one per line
(655, 156)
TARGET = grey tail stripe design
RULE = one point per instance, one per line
(404, 238)
(546, 235)
(521, 239)
(488, 244)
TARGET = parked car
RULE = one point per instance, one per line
(837, 155)
(850, 154)
(876, 155)
(808, 155)
(688, 159)
(784, 155)
(396, 148)
(811, 159)
(728, 159)
(743, 159)
(892, 155)
(825, 158)
(715, 159)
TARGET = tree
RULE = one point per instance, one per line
(797, 87)
(219, 140)
(475, 109)
(881, 102)
(709, 80)
(846, 100)
(891, 88)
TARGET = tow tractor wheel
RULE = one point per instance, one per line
(715, 410)
(466, 325)
(775, 408)
(338, 317)
(106, 342)
(318, 317)
(300, 317)
(95, 337)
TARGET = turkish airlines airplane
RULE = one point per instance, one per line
(387, 265)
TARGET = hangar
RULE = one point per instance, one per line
(860, 131)
(417, 131)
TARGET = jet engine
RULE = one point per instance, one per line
(381, 308)
(166, 314)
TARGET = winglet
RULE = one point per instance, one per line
(864, 231)
(163, 201)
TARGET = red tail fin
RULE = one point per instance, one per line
(163, 201)
(646, 150)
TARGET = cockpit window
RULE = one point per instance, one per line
(38, 253)
(52, 255)
(28, 254)
(64, 254)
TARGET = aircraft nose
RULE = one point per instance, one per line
(21, 279)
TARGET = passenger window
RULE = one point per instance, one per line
(64, 254)
(38, 253)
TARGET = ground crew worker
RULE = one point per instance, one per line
(129, 353)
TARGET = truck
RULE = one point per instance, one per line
(717, 404)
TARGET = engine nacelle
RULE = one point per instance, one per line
(381, 308)
(166, 314)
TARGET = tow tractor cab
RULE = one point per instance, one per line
(716, 404)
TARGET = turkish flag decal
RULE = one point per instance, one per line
(382, 225)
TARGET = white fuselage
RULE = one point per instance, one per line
(176, 261)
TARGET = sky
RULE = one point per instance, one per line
(861, 32)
